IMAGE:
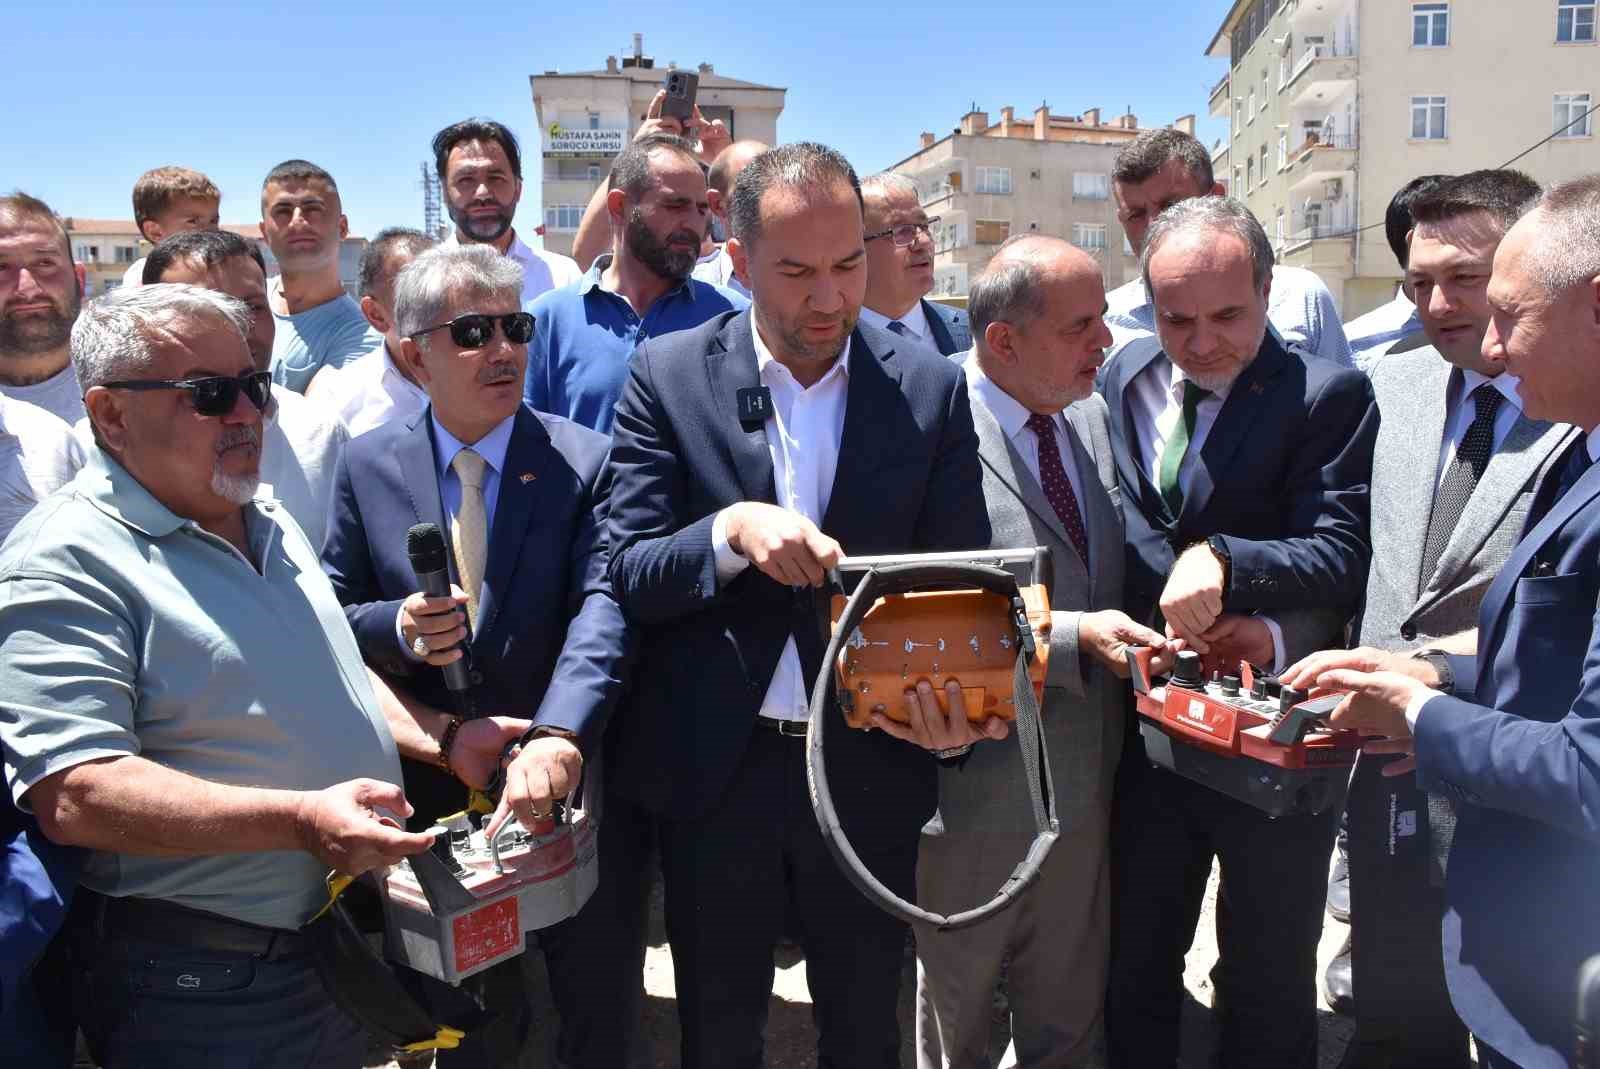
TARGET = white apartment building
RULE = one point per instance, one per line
(585, 118)
(1333, 105)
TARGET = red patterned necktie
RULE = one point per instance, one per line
(1057, 489)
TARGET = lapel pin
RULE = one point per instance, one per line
(527, 477)
(1255, 387)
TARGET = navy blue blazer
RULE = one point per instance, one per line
(951, 331)
(1518, 750)
(908, 480)
(551, 643)
(1283, 478)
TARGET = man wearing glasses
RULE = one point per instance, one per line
(179, 696)
(518, 496)
(899, 236)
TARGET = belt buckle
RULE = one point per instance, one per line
(789, 729)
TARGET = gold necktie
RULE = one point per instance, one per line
(469, 533)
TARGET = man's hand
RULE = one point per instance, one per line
(714, 137)
(1192, 598)
(1376, 702)
(932, 729)
(655, 123)
(546, 771)
(475, 753)
(440, 624)
(1106, 636)
(782, 544)
(1307, 672)
(344, 826)
(1237, 637)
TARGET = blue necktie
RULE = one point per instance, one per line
(899, 328)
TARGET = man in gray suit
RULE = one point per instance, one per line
(1453, 476)
(1049, 480)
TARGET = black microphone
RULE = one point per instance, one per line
(425, 547)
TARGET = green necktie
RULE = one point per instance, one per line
(1172, 453)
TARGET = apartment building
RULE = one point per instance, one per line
(585, 118)
(1049, 174)
(1333, 105)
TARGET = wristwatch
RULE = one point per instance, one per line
(1219, 549)
(1441, 668)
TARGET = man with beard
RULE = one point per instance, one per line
(749, 454)
(180, 696)
(301, 443)
(900, 268)
(1244, 468)
(40, 290)
(318, 324)
(479, 163)
(585, 332)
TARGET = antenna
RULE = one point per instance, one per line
(432, 225)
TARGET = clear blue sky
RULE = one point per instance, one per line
(101, 91)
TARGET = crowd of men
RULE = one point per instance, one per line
(219, 679)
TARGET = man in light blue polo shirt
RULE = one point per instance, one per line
(150, 612)
(585, 333)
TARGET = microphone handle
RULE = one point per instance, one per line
(457, 674)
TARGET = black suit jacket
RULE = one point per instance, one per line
(1283, 477)
(908, 480)
(551, 642)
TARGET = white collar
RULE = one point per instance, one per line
(916, 320)
(1505, 382)
(1007, 411)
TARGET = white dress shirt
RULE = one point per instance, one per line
(915, 321)
(803, 441)
(300, 448)
(38, 455)
(369, 392)
(1459, 414)
(1156, 394)
(717, 269)
(1013, 420)
(541, 270)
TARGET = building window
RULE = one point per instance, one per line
(992, 231)
(1091, 186)
(1264, 91)
(1574, 115)
(1283, 150)
(993, 180)
(1575, 20)
(1238, 117)
(1250, 109)
(1279, 230)
(594, 172)
(563, 216)
(1430, 25)
(88, 253)
(1283, 69)
(594, 120)
(1428, 118)
(126, 254)
(1249, 173)
(1263, 171)
(1090, 236)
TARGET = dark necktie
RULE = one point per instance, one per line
(899, 328)
(1460, 479)
(1176, 446)
(1561, 478)
(1057, 488)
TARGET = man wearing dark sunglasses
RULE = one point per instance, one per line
(519, 497)
(179, 697)
(899, 243)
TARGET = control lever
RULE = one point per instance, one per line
(1296, 717)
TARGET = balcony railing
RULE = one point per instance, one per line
(1314, 53)
(1325, 140)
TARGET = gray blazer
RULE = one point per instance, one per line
(1403, 609)
(1083, 703)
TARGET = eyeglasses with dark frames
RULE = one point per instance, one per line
(905, 233)
(475, 329)
(211, 395)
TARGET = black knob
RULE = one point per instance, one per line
(1186, 670)
(1258, 689)
(1288, 698)
(1230, 685)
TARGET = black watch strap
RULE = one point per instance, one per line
(1441, 667)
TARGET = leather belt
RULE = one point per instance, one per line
(789, 729)
(151, 920)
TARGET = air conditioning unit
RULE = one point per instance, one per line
(1333, 189)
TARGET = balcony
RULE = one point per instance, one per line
(1320, 159)
(1221, 103)
(1319, 75)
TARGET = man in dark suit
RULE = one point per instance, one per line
(1514, 739)
(749, 453)
(520, 496)
(1244, 471)
(900, 243)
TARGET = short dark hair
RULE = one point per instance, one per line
(476, 130)
(803, 165)
(18, 207)
(630, 171)
(381, 250)
(1504, 194)
(298, 171)
(209, 248)
(1397, 221)
(157, 189)
(1140, 159)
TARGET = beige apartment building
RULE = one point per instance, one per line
(1333, 105)
(585, 118)
(1048, 174)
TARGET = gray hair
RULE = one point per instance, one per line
(1210, 215)
(425, 288)
(802, 165)
(887, 182)
(1567, 253)
(1011, 289)
(112, 338)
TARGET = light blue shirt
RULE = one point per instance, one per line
(491, 447)
(1374, 334)
(127, 630)
(331, 334)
